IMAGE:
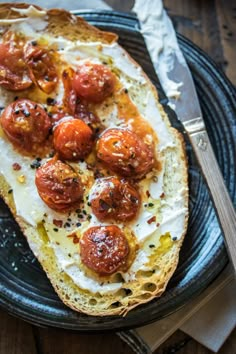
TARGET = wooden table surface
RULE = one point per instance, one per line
(212, 26)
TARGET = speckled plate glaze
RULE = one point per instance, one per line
(24, 288)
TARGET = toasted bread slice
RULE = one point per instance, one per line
(157, 252)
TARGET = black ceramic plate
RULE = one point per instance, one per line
(24, 288)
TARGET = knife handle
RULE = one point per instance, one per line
(220, 196)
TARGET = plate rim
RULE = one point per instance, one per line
(225, 82)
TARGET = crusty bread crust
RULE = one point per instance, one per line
(62, 23)
(148, 285)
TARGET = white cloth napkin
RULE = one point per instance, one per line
(213, 323)
(209, 318)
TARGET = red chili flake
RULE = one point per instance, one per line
(16, 166)
(74, 237)
(148, 194)
(158, 224)
(152, 219)
(58, 223)
(162, 195)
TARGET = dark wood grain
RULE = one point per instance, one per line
(197, 20)
(226, 17)
(212, 26)
(16, 336)
(57, 341)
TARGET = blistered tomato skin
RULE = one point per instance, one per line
(26, 124)
(114, 199)
(104, 249)
(93, 82)
(41, 68)
(14, 74)
(74, 106)
(72, 139)
(59, 186)
(125, 153)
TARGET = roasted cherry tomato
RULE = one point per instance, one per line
(41, 68)
(26, 124)
(104, 249)
(73, 105)
(93, 82)
(72, 139)
(59, 185)
(14, 74)
(125, 153)
(114, 199)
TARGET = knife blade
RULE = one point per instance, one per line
(176, 80)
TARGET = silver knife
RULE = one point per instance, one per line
(178, 85)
